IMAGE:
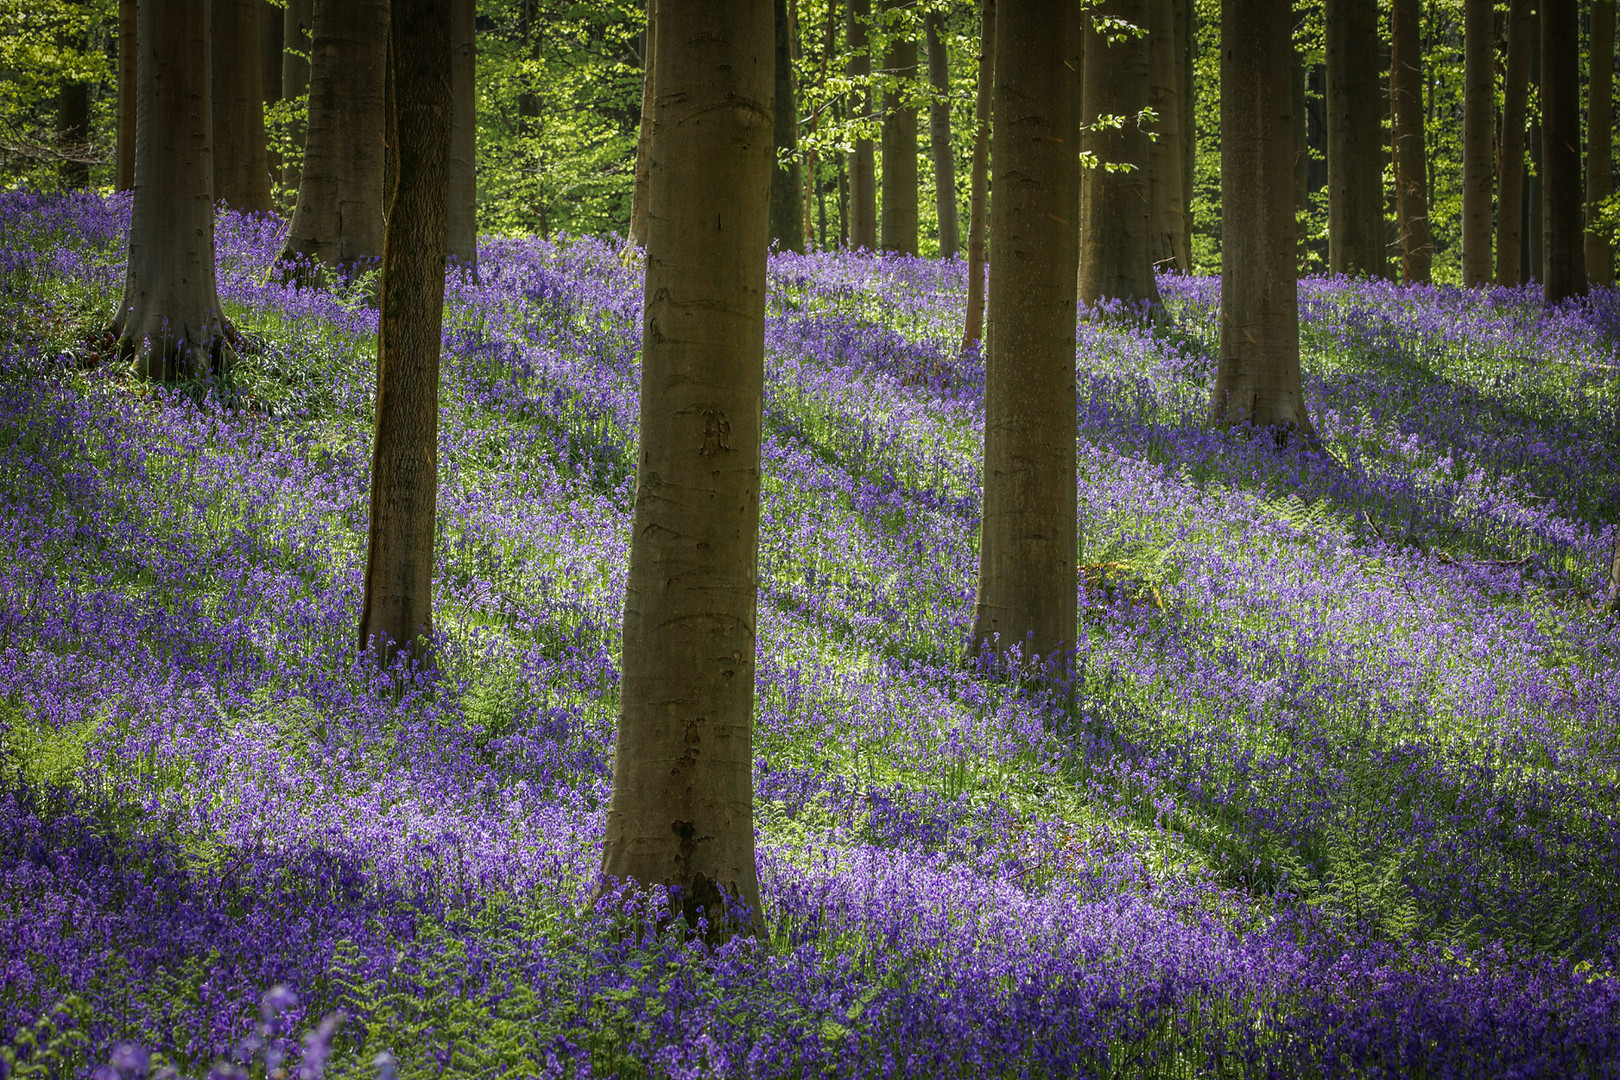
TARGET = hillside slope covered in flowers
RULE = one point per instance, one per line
(1338, 798)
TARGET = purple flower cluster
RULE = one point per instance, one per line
(1336, 797)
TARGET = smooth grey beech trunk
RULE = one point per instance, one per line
(338, 219)
(939, 136)
(1600, 141)
(124, 163)
(1521, 42)
(1027, 592)
(979, 180)
(681, 812)
(862, 162)
(1355, 154)
(1410, 141)
(464, 133)
(787, 186)
(1168, 202)
(1563, 244)
(297, 36)
(1116, 211)
(1479, 122)
(241, 167)
(899, 225)
(396, 611)
(638, 193)
(169, 323)
(1257, 381)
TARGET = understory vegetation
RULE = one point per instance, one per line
(1336, 797)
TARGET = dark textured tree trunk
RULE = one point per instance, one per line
(1165, 194)
(73, 133)
(899, 145)
(681, 812)
(1534, 225)
(338, 220)
(862, 162)
(1565, 256)
(169, 323)
(1116, 212)
(1614, 577)
(464, 132)
(1600, 141)
(1479, 116)
(1355, 156)
(1411, 161)
(1187, 21)
(939, 136)
(124, 165)
(979, 181)
(787, 208)
(396, 613)
(1026, 605)
(298, 44)
(1257, 381)
(638, 194)
(241, 169)
(1510, 148)
(1302, 155)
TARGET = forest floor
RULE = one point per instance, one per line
(1338, 796)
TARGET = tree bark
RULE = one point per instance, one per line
(1614, 577)
(1510, 152)
(271, 28)
(787, 208)
(1534, 225)
(241, 169)
(73, 133)
(899, 139)
(1479, 116)
(1257, 381)
(862, 162)
(124, 166)
(1411, 161)
(1355, 141)
(169, 323)
(1186, 22)
(1167, 199)
(979, 181)
(1600, 141)
(298, 45)
(1116, 212)
(397, 605)
(681, 812)
(464, 133)
(638, 194)
(1026, 606)
(338, 220)
(939, 136)
(1565, 251)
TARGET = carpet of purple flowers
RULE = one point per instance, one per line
(1338, 797)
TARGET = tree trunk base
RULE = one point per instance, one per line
(155, 349)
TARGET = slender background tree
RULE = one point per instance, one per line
(1510, 203)
(899, 225)
(978, 198)
(862, 163)
(1564, 249)
(1600, 141)
(1410, 144)
(787, 209)
(1479, 115)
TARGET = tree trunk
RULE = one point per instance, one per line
(169, 323)
(271, 28)
(1411, 161)
(298, 44)
(681, 812)
(1479, 109)
(1302, 155)
(979, 182)
(1565, 258)
(1186, 23)
(1026, 606)
(862, 164)
(124, 167)
(1355, 141)
(241, 169)
(1257, 381)
(1167, 199)
(1534, 230)
(338, 220)
(1600, 141)
(1614, 576)
(1116, 212)
(73, 133)
(638, 194)
(787, 209)
(939, 136)
(397, 606)
(1510, 152)
(464, 133)
(899, 140)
